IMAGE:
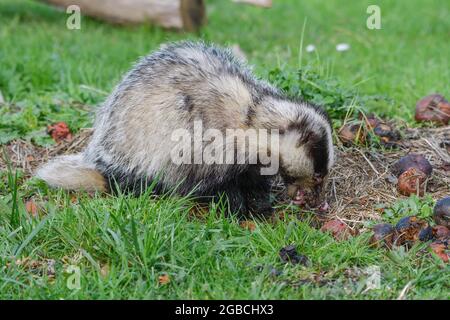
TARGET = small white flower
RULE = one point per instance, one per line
(310, 48)
(342, 47)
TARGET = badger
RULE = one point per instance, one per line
(187, 83)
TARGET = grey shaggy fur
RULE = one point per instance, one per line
(170, 89)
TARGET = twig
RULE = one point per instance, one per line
(402, 295)
(368, 161)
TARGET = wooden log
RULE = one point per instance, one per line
(177, 14)
(259, 3)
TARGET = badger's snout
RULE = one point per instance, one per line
(308, 193)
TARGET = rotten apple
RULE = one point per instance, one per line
(371, 121)
(352, 134)
(441, 232)
(440, 248)
(383, 235)
(388, 135)
(408, 230)
(441, 212)
(412, 181)
(412, 160)
(433, 108)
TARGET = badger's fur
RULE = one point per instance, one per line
(170, 89)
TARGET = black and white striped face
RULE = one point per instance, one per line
(306, 156)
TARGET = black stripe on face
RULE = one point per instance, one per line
(301, 126)
(319, 152)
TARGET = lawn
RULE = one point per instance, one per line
(154, 248)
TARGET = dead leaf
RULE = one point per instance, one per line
(41, 267)
(338, 229)
(248, 225)
(73, 199)
(199, 211)
(164, 279)
(60, 132)
(104, 270)
(441, 250)
(278, 216)
(51, 267)
(31, 208)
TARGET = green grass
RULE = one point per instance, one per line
(210, 258)
(49, 73)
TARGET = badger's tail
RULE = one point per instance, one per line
(72, 172)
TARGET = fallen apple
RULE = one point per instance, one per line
(433, 108)
(408, 230)
(371, 121)
(383, 235)
(434, 233)
(441, 212)
(441, 232)
(440, 248)
(427, 234)
(412, 160)
(387, 134)
(352, 134)
(412, 181)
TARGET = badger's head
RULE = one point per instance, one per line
(306, 154)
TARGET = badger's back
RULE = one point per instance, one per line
(177, 88)
(165, 91)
